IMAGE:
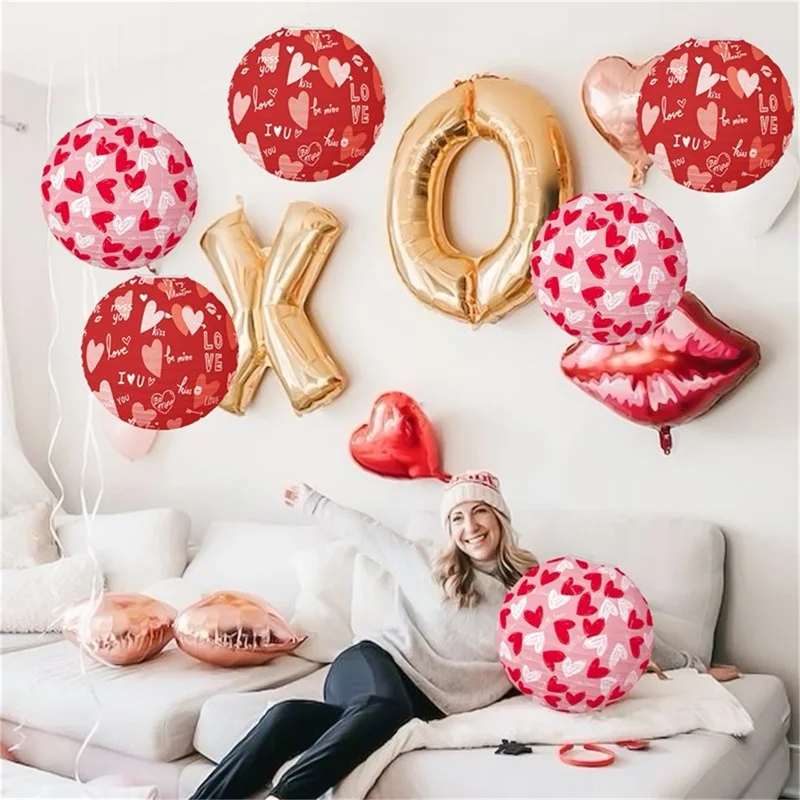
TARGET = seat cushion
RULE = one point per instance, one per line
(699, 764)
(676, 562)
(9, 642)
(147, 710)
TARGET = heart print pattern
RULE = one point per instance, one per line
(573, 635)
(119, 192)
(609, 267)
(306, 105)
(159, 352)
(715, 115)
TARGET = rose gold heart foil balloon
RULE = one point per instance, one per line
(232, 629)
(123, 629)
(610, 93)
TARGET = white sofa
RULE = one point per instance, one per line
(166, 722)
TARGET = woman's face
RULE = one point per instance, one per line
(476, 530)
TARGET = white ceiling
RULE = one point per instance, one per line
(116, 34)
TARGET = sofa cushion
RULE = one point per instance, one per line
(147, 710)
(226, 718)
(26, 539)
(9, 642)
(134, 549)
(254, 557)
(676, 562)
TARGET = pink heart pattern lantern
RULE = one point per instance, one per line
(119, 192)
(159, 352)
(609, 267)
(575, 636)
(306, 105)
(715, 116)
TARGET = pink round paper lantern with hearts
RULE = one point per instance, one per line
(119, 192)
(159, 353)
(609, 267)
(575, 636)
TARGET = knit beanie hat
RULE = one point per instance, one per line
(476, 487)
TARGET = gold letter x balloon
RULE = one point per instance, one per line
(268, 288)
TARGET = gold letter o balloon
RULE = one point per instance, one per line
(482, 289)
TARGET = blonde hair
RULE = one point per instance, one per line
(454, 570)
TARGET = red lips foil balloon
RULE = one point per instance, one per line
(669, 377)
(399, 440)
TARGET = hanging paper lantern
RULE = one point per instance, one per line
(306, 105)
(119, 192)
(609, 268)
(159, 352)
(715, 115)
(575, 636)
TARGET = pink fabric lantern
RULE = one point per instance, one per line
(609, 267)
(575, 636)
(119, 192)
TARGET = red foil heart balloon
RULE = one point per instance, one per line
(399, 440)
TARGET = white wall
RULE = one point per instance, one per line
(496, 394)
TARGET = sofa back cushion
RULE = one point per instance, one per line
(134, 549)
(254, 557)
(678, 563)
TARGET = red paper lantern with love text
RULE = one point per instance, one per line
(159, 352)
(306, 105)
(715, 115)
(119, 192)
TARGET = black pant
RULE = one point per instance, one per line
(367, 698)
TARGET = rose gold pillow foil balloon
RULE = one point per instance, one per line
(123, 629)
(232, 629)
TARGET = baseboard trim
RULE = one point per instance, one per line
(792, 788)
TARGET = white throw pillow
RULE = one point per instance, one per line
(175, 592)
(373, 604)
(322, 611)
(34, 599)
(134, 549)
(26, 540)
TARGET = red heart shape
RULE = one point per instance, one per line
(146, 222)
(151, 254)
(594, 628)
(534, 618)
(105, 189)
(554, 686)
(127, 134)
(81, 256)
(571, 331)
(46, 190)
(596, 701)
(101, 219)
(594, 670)
(642, 329)
(616, 694)
(104, 148)
(548, 577)
(635, 622)
(68, 243)
(62, 209)
(136, 181)
(64, 139)
(110, 246)
(550, 231)
(595, 264)
(600, 321)
(525, 588)
(60, 157)
(524, 689)
(594, 223)
(664, 241)
(571, 216)
(571, 588)
(574, 699)
(552, 700)
(111, 261)
(613, 239)
(133, 253)
(559, 318)
(621, 330)
(551, 284)
(600, 336)
(662, 316)
(566, 259)
(515, 640)
(180, 189)
(79, 141)
(635, 216)
(595, 580)
(551, 658)
(174, 167)
(670, 264)
(585, 607)
(398, 441)
(635, 644)
(612, 591)
(592, 295)
(535, 261)
(626, 256)
(123, 163)
(562, 628)
(75, 184)
(649, 617)
(617, 209)
(637, 297)
(146, 141)
(514, 673)
(503, 619)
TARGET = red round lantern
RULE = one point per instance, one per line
(159, 352)
(609, 267)
(306, 105)
(575, 636)
(119, 192)
(715, 115)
